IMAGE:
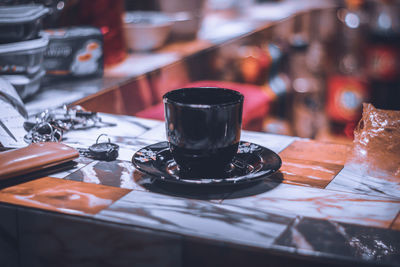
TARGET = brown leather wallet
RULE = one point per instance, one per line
(34, 157)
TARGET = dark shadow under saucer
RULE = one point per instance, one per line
(208, 192)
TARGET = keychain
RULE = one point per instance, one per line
(50, 125)
(103, 151)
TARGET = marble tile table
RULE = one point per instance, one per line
(314, 212)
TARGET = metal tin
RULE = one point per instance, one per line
(21, 22)
(74, 52)
(23, 57)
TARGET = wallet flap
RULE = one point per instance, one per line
(34, 157)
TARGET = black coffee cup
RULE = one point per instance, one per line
(203, 127)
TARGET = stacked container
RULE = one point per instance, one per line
(22, 46)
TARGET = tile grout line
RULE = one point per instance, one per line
(396, 199)
(394, 220)
(334, 177)
(297, 218)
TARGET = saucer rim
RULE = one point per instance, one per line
(209, 181)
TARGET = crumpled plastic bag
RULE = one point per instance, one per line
(376, 145)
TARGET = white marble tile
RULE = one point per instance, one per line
(324, 204)
(349, 180)
(126, 151)
(126, 126)
(156, 133)
(111, 173)
(272, 141)
(197, 218)
(128, 146)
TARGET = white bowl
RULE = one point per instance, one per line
(146, 30)
(188, 15)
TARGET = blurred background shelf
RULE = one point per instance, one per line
(292, 51)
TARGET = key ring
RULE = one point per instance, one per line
(104, 151)
(43, 132)
(49, 125)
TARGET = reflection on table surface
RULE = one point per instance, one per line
(313, 210)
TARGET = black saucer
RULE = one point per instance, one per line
(252, 163)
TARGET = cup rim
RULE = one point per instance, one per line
(240, 99)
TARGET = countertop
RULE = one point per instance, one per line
(315, 211)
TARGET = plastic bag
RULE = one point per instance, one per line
(376, 145)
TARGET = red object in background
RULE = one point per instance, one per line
(382, 62)
(106, 15)
(255, 107)
(344, 103)
(345, 97)
(254, 64)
